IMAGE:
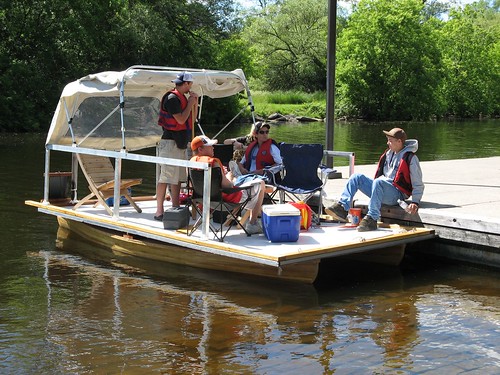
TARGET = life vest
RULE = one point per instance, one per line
(264, 157)
(168, 121)
(234, 197)
(402, 180)
(207, 159)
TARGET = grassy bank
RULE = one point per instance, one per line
(295, 103)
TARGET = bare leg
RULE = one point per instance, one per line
(175, 190)
(161, 190)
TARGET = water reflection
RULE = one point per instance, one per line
(116, 319)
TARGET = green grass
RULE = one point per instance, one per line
(295, 103)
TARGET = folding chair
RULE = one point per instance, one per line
(301, 181)
(100, 175)
(217, 203)
(224, 153)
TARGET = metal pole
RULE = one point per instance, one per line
(330, 77)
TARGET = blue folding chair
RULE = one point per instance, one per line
(301, 182)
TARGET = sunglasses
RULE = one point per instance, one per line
(263, 131)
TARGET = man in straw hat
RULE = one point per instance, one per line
(398, 176)
(177, 113)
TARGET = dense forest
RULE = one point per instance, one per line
(395, 59)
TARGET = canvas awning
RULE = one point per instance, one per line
(92, 105)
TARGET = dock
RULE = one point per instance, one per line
(461, 203)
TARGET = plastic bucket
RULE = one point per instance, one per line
(354, 216)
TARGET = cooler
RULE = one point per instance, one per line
(281, 222)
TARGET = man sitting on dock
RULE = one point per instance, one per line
(203, 150)
(398, 177)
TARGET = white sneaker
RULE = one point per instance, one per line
(253, 228)
(234, 168)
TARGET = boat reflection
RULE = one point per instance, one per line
(142, 317)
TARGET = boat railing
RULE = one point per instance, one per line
(346, 154)
(119, 156)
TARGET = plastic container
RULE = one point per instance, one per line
(176, 217)
(403, 204)
(281, 222)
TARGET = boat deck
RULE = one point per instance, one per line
(326, 240)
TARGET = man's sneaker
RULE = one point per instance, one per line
(253, 228)
(367, 224)
(337, 212)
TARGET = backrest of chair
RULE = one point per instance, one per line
(301, 162)
(97, 169)
(197, 177)
(224, 153)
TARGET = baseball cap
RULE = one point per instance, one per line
(397, 133)
(202, 140)
(183, 77)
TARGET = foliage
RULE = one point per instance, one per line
(45, 44)
(396, 59)
(470, 42)
(289, 44)
(388, 62)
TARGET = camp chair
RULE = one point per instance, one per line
(224, 153)
(301, 181)
(217, 203)
(100, 175)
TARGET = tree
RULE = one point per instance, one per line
(388, 62)
(470, 42)
(45, 44)
(289, 44)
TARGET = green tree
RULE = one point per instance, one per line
(288, 42)
(388, 62)
(45, 44)
(470, 41)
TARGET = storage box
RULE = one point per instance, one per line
(281, 222)
(176, 217)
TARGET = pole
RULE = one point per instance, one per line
(330, 78)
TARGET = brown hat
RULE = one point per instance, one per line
(397, 133)
(202, 140)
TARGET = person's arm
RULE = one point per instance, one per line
(235, 142)
(182, 117)
(417, 184)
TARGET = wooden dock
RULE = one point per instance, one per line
(461, 203)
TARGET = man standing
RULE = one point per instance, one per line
(398, 176)
(177, 113)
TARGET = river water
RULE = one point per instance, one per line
(62, 313)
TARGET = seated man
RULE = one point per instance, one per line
(398, 176)
(203, 150)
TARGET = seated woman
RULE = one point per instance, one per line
(203, 150)
(262, 153)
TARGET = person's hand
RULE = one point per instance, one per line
(193, 95)
(412, 208)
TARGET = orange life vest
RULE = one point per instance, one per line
(167, 121)
(214, 162)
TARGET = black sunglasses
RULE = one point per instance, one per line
(263, 131)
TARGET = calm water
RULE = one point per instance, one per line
(62, 313)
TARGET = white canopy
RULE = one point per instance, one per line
(89, 113)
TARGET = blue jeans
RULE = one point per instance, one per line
(379, 190)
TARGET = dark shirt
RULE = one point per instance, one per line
(173, 106)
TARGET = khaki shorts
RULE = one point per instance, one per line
(171, 174)
(254, 193)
